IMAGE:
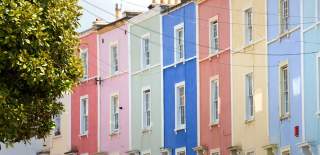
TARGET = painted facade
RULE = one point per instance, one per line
(34, 147)
(114, 140)
(86, 142)
(249, 77)
(310, 76)
(145, 69)
(180, 78)
(215, 133)
(284, 48)
(59, 142)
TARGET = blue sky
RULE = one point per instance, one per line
(108, 5)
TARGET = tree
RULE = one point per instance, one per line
(38, 42)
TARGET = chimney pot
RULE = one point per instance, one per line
(117, 11)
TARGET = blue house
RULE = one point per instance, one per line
(284, 73)
(311, 70)
(180, 78)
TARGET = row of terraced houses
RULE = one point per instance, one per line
(206, 77)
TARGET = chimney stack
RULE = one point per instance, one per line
(117, 11)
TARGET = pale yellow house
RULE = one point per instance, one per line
(249, 77)
(59, 142)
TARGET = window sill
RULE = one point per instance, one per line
(114, 74)
(249, 121)
(248, 46)
(284, 117)
(146, 130)
(84, 134)
(57, 136)
(285, 34)
(180, 129)
(214, 124)
(145, 68)
(114, 133)
(178, 62)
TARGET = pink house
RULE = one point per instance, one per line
(84, 99)
(114, 71)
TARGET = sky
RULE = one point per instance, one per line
(91, 12)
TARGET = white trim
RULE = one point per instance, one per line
(282, 64)
(267, 79)
(176, 27)
(111, 130)
(177, 85)
(161, 87)
(85, 50)
(280, 36)
(198, 73)
(112, 44)
(84, 133)
(251, 118)
(212, 20)
(146, 69)
(318, 82)
(214, 78)
(183, 62)
(99, 93)
(129, 81)
(284, 149)
(248, 42)
(231, 72)
(181, 149)
(217, 150)
(143, 89)
(302, 69)
(146, 152)
(142, 65)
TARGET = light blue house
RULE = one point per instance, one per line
(311, 73)
(180, 79)
(284, 76)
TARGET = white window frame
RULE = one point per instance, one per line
(181, 149)
(318, 82)
(249, 105)
(211, 50)
(144, 111)
(83, 131)
(113, 67)
(284, 114)
(84, 154)
(284, 16)
(85, 69)
(143, 52)
(113, 130)
(213, 119)
(57, 128)
(177, 27)
(215, 151)
(179, 126)
(251, 151)
(146, 152)
(248, 27)
(285, 149)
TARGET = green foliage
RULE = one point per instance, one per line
(38, 64)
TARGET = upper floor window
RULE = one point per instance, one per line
(214, 101)
(249, 97)
(250, 153)
(284, 15)
(284, 91)
(180, 106)
(179, 42)
(146, 108)
(84, 115)
(57, 128)
(181, 151)
(145, 51)
(214, 37)
(114, 59)
(215, 153)
(285, 152)
(114, 113)
(248, 26)
(318, 9)
(84, 59)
